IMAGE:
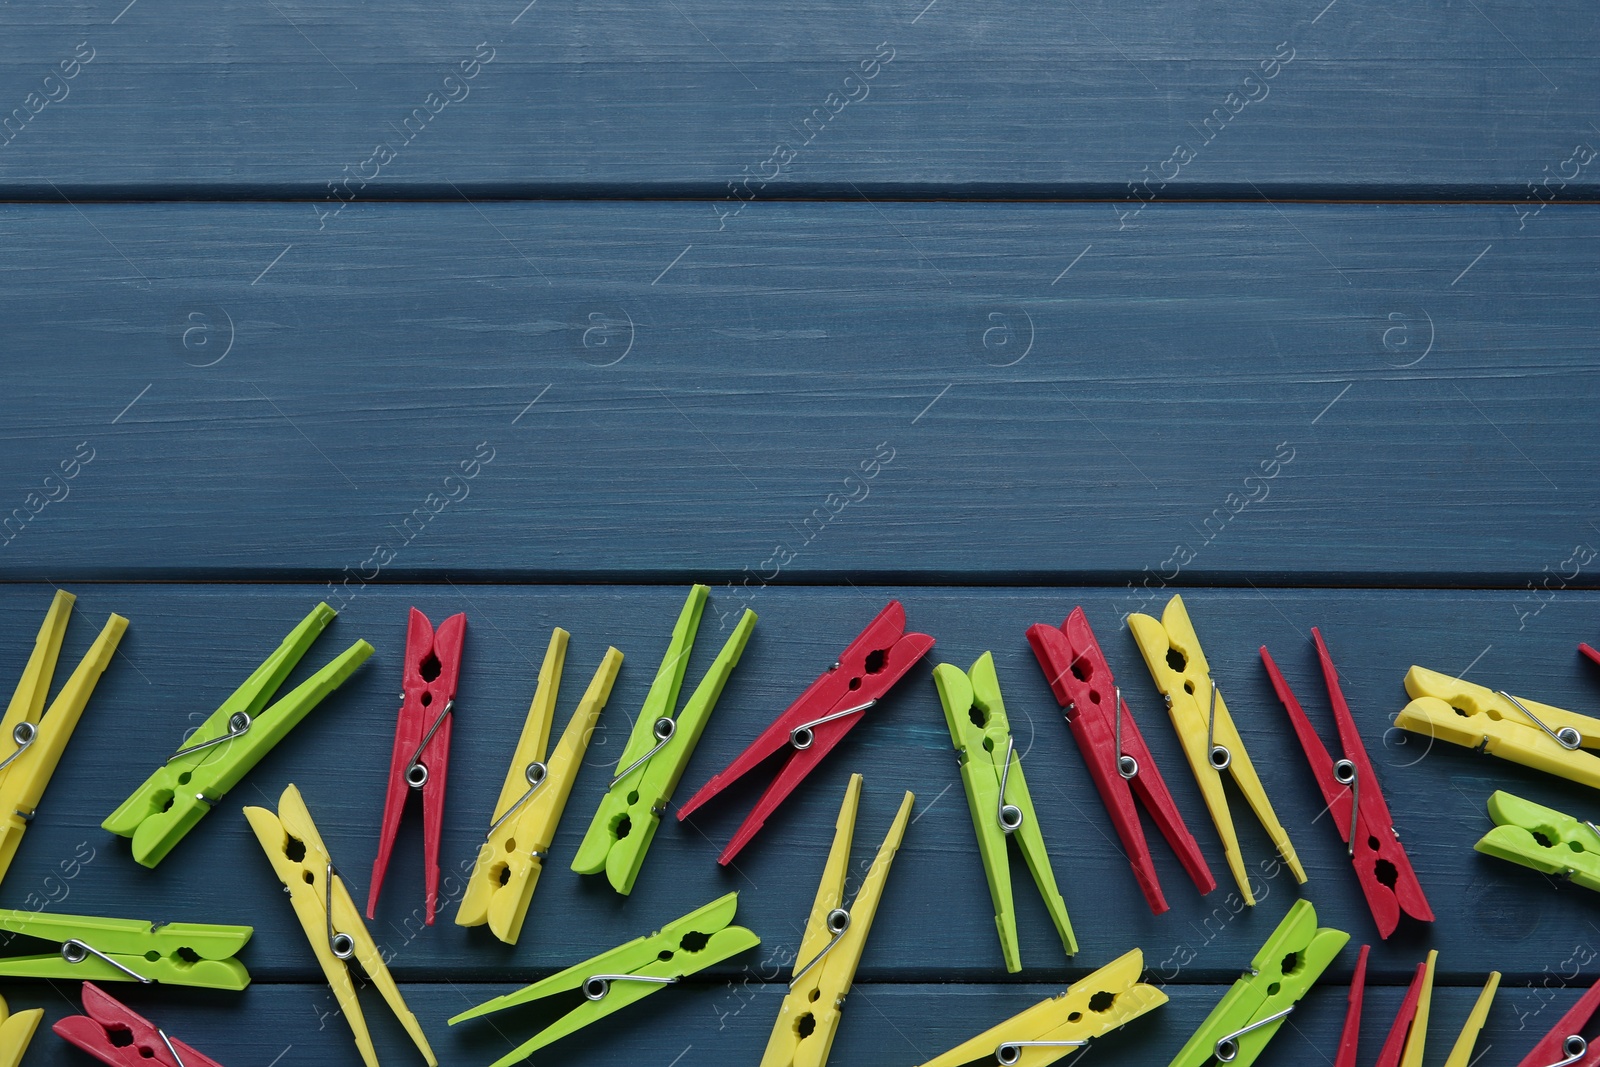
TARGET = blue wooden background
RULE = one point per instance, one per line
(544, 312)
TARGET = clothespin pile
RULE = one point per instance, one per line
(512, 855)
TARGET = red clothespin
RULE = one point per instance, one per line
(820, 717)
(1114, 751)
(113, 1033)
(1590, 651)
(1411, 1022)
(1381, 864)
(421, 757)
(1564, 1044)
(1350, 1036)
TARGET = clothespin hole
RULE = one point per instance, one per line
(806, 1025)
(816, 994)
(1075, 1016)
(1272, 990)
(1177, 661)
(988, 742)
(504, 874)
(978, 715)
(1084, 673)
(1291, 963)
(633, 796)
(183, 779)
(621, 826)
(311, 879)
(664, 955)
(429, 668)
(294, 848)
(855, 683)
(119, 1035)
(1102, 1001)
(694, 941)
(1386, 873)
(1188, 687)
(427, 698)
(877, 659)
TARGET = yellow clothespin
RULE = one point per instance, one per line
(30, 747)
(329, 917)
(532, 798)
(831, 948)
(1172, 652)
(1535, 735)
(16, 1030)
(1109, 998)
(1461, 1054)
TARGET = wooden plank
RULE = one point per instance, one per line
(729, 1022)
(188, 646)
(1221, 393)
(607, 100)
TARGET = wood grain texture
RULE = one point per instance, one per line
(1445, 99)
(1416, 379)
(188, 646)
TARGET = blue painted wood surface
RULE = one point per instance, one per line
(1456, 98)
(542, 311)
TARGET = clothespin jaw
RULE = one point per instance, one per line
(1355, 802)
(1564, 1044)
(1108, 999)
(114, 1033)
(329, 917)
(819, 718)
(420, 759)
(998, 798)
(1408, 1035)
(532, 799)
(1546, 840)
(657, 751)
(1212, 745)
(834, 939)
(229, 743)
(16, 1031)
(1119, 761)
(1251, 1012)
(1350, 1036)
(1523, 731)
(127, 950)
(629, 972)
(32, 740)
(1461, 1053)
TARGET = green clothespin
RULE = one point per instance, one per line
(233, 740)
(1542, 838)
(997, 794)
(127, 950)
(630, 972)
(1249, 1014)
(657, 751)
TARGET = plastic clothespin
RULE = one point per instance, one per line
(1108, 999)
(531, 801)
(1249, 1014)
(1350, 1036)
(16, 1030)
(831, 948)
(1546, 840)
(657, 751)
(997, 796)
(114, 1033)
(329, 917)
(1382, 867)
(1564, 1045)
(1405, 1042)
(628, 973)
(1523, 731)
(1407, 1037)
(1172, 652)
(224, 748)
(1590, 651)
(420, 760)
(820, 717)
(31, 741)
(127, 950)
(1114, 750)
